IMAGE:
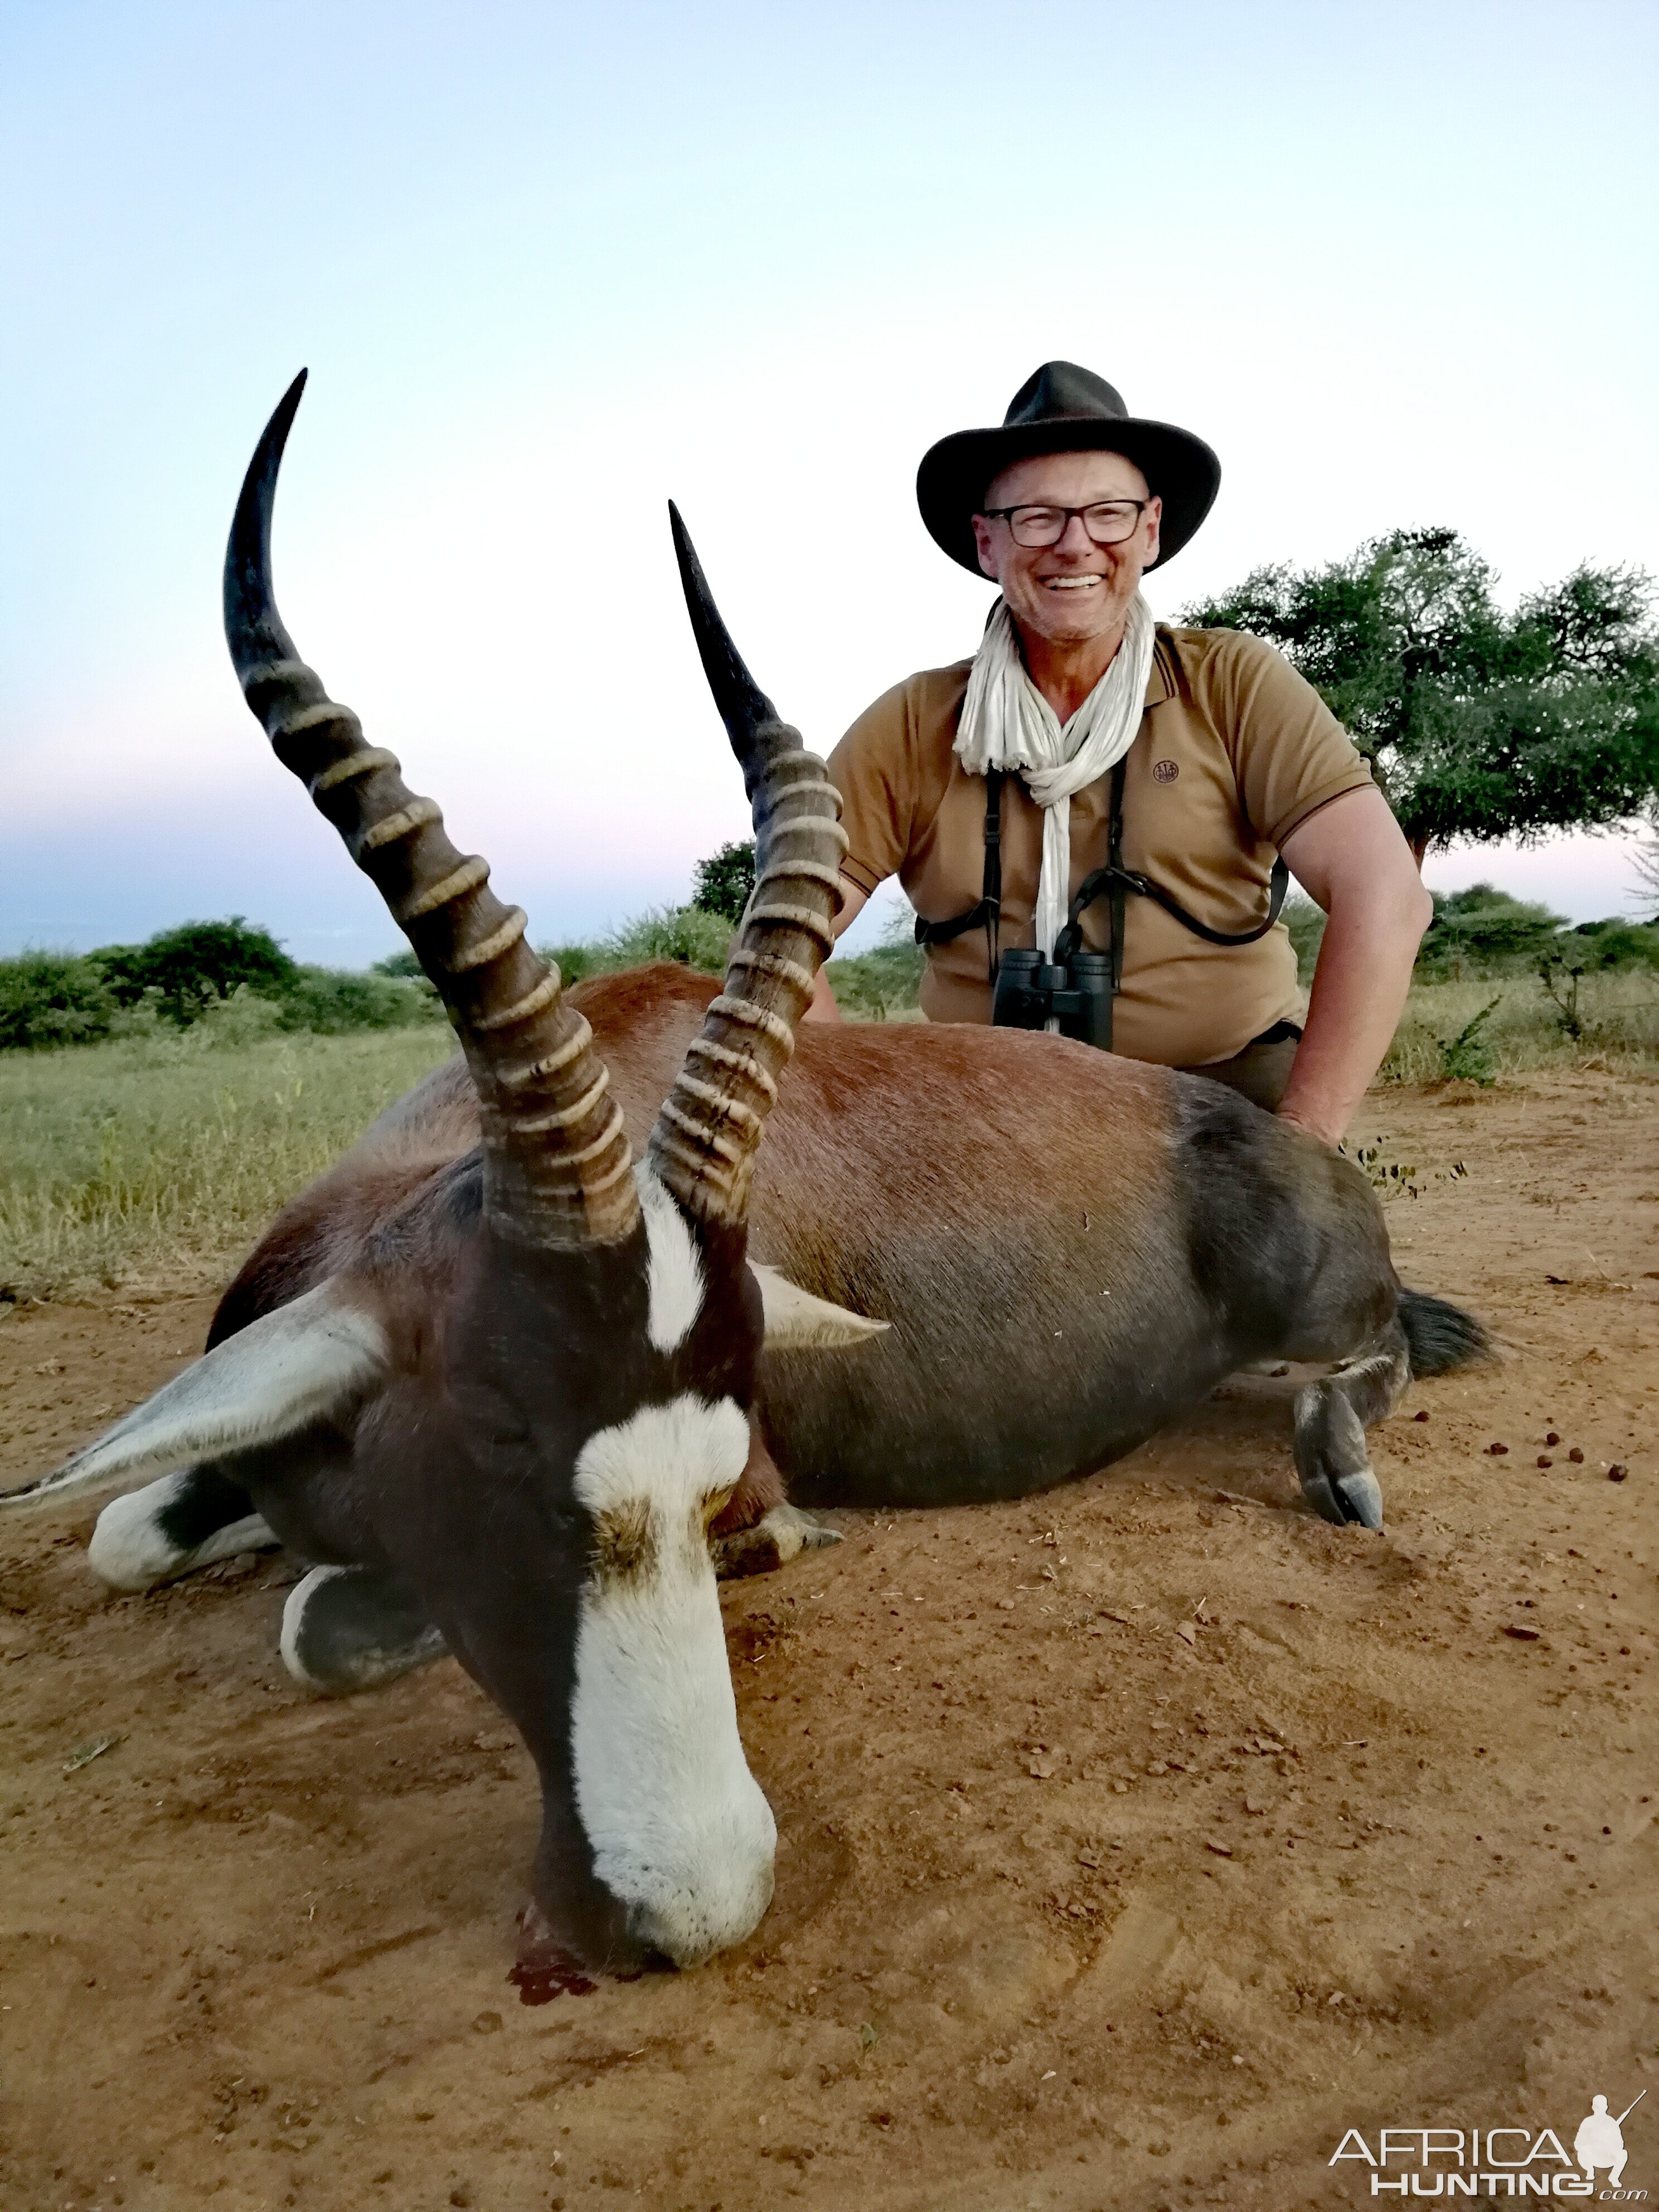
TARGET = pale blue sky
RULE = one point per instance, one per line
(550, 265)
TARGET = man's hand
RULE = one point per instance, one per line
(821, 1007)
(1351, 860)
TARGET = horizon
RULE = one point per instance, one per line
(549, 268)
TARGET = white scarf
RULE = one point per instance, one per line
(1007, 724)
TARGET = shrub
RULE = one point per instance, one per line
(1615, 944)
(1484, 932)
(1467, 1058)
(573, 961)
(329, 1001)
(689, 934)
(52, 998)
(874, 986)
(196, 963)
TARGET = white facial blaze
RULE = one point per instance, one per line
(676, 1285)
(678, 1826)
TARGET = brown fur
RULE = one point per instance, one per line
(1070, 1247)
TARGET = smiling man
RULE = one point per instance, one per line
(1092, 783)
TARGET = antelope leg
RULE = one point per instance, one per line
(172, 1526)
(348, 1628)
(1332, 1457)
(776, 1538)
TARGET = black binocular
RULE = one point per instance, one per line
(1077, 992)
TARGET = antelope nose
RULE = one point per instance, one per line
(693, 1926)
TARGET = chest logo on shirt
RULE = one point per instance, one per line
(1165, 771)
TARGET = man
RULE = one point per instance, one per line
(1212, 753)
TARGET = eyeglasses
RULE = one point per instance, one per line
(1109, 522)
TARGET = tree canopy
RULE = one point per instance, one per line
(721, 884)
(1478, 724)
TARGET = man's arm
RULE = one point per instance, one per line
(821, 1007)
(1351, 857)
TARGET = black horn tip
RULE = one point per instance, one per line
(743, 705)
(253, 628)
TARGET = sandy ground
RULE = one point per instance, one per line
(1137, 1841)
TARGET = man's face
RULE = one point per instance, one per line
(1075, 590)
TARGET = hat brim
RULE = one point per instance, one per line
(951, 483)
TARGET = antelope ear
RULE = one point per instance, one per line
(797, 1321)
(315, 1357)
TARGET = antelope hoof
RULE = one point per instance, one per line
(1347, 1499)
(345, 1629)
(776, 1538)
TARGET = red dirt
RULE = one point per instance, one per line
(1137, 1841)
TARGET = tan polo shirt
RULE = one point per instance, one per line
(1235, 751)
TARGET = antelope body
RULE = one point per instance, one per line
(1071, 1249)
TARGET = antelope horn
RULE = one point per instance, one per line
(556, 1160)
(706, 1136)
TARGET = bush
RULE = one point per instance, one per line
(573, 961)
(196, 963)
(1615, 944)
(1484, 932)
(52, 998)
(329, 1001)
(1467, 1058)
(874, 986)
(689, 934)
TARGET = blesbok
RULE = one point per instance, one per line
(509, 1397)
(1070, 1249)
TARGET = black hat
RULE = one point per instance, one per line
(1063, 409)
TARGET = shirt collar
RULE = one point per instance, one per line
(1158, 685)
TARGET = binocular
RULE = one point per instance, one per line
(1077, 992)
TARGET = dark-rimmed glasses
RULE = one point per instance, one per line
(1107, 521)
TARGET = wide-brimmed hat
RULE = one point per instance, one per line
(1063, 409)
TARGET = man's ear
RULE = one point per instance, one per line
(798, 1321)
(315, 1358)
(1153, 522)
(984, 541)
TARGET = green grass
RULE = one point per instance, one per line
(159, 1164)
(156, 1162)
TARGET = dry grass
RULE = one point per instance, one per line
(155, 1166)
(1619, 1013)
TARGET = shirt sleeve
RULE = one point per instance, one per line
(1290, 754)
(873, 769)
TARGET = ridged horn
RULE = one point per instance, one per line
(706, 1136)
(557, 1170)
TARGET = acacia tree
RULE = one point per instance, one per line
(1478, 724)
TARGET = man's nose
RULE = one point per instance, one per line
(1074, 538)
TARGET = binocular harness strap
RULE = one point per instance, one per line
(1113, 882)
(989, 912)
